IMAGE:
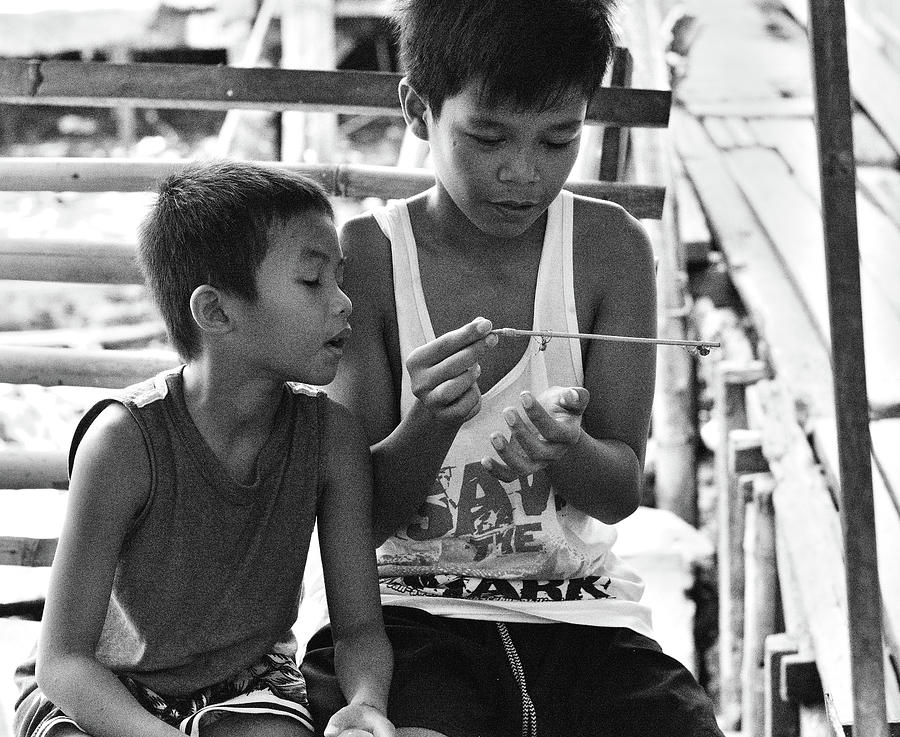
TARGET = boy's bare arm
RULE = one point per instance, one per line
(363, 656)
(406, 455)
(109, 486)
(593, 443)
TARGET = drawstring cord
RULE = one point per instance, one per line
(529, 715)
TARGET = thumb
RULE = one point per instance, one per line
(577, 398)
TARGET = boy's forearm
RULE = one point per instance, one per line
(602, 478)
(364, 664)
(97, 700)
(405, 466)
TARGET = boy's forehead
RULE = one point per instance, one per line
(307, 236)
(477, 102)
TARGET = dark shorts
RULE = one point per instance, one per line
(273, 685)
(457, 677)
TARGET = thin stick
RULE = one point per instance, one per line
(515, 333)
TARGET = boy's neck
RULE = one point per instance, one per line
(234, 414)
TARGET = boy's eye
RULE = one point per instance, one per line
(310, 281)
(561, 144)
(487, 140)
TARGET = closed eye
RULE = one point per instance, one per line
(486, 140)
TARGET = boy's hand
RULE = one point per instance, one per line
(444, 373)
(554, 428)
(359, 720)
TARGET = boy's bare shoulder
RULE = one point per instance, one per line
(609, 238)
(367, 251)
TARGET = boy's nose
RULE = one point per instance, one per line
(519, 168)
(343, 305)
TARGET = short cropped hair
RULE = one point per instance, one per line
(210, 224)
(525, 52)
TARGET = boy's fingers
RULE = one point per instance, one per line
(499, 470)
(475, 334)
(513, 455)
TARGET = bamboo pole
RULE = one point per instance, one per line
(205, 87)
(340, 180)
(71, 367)
(837, 168)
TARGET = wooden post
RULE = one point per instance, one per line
(837, 168)
(126, 118)
(761, 606)
(674, 415)
(730, 412)
(780, 717)
(307, 42)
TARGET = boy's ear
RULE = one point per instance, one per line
(414, 108)
(210, 310)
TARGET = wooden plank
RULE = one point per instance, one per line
(784, 107)
(26, 551)
(885, 442)
(810, 537)
(871, 71)
(208, 87)
(69, 367)
(791, 341)
(795, 141)
(870, 147)
(882, 185)
(131, 335)
(796, 231)
(719, 132)
(741, 133)
(31, 259)
(341, 180)
(887, 528)
(33, 469)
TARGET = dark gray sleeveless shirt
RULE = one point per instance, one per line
(209, 575)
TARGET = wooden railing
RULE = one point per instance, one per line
(24, 82)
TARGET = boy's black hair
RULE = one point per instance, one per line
(210, 224)
(524, 52)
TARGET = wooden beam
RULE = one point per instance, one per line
(208, 87)
(837, 167)
(69, 367)
(33, 469)
(27, 551)
(340, 180)
(30, 259)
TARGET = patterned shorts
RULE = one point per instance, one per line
(273, 685)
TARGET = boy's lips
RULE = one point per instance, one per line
(340, 339)
(516, 204)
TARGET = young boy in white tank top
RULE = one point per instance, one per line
(502, 464)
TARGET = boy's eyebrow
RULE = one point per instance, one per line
(311, 252)
(482, 121)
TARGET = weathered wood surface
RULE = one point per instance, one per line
(69, 367)
(33, 469)
(809, 533)
(340, 180)
(207, 87)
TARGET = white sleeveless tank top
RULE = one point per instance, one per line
(480, 548)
